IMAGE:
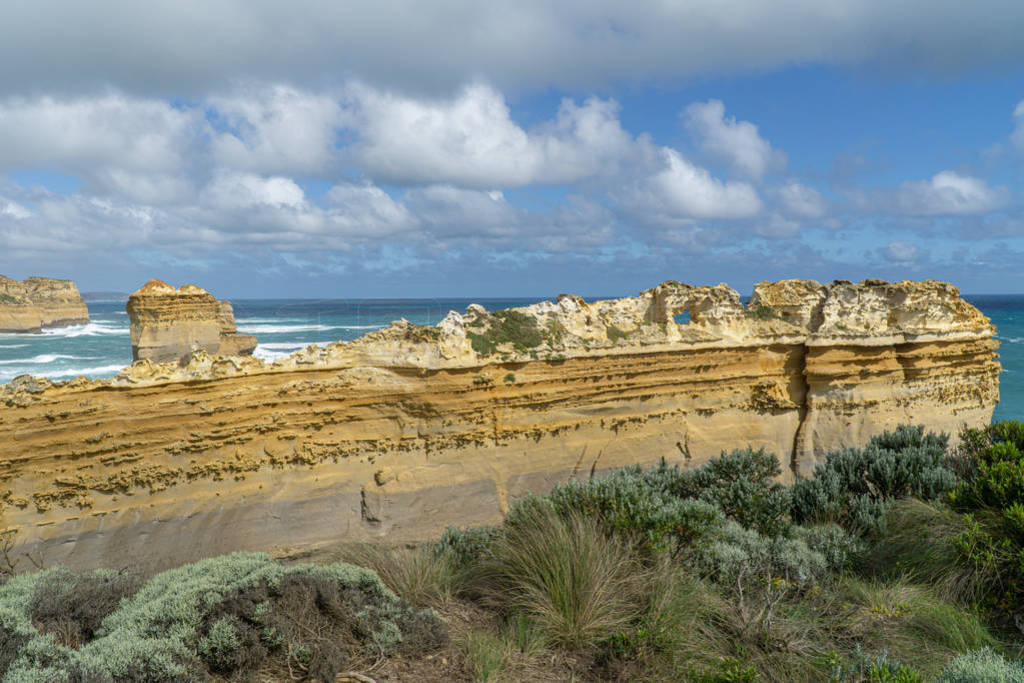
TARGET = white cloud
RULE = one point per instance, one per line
(946, 193)
(472, 141)
(366, 210)
(1017, 137)
(277, 129)
(246, 190)
(902, 252)
(112, 129)
(682, 191)
(800, 201)
(736, 143)
(13, 209)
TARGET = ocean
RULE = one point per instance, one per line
(101, 348)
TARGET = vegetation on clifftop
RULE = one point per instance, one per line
(899, 561)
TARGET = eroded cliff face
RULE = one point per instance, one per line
(409, 429)
(38, 302)
(169, 324)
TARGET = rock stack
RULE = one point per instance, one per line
(39, 302)
(169, 324)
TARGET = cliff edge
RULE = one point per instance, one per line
(378, 437)
(169, 324)
(39, 302)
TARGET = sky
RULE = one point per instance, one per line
(401, 148)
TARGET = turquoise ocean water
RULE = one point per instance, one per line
(101, 348)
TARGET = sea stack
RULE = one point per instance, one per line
(40, 302)
(169, 324)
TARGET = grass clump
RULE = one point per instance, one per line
(568, 577)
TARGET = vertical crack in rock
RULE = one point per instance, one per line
(802, 411)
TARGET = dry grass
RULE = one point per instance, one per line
(420, 575)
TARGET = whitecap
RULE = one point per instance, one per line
(12, 346)
(88, 372)
(267, 354)
(46, 358)
(282, 329)
(284, 345)
(89, 330)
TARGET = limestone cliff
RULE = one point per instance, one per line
(169, 324)
(410, 429)
(39, 302)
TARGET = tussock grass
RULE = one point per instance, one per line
(422, 576)
(566, 574)
(918, 543)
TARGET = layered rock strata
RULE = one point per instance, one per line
(169, 324)
(39, 302)
(410, 429)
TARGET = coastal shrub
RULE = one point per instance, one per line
(736, 554)
(982, 666)
(228, 615)
(564, 574)
(864, 666)
(466, 546)
(854, 487)
(627, 501)
(507, 326)
(673, 507)
(72, 605)
(741, 483)
(992, 500)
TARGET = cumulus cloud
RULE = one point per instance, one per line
(246, 190)
(682, 191)
(195, 47)
(901, 252)
(471, 140)
(277, 129)
(946, 194)
(800, 201)
(137, 147)
(733, 142)
(1018, 132)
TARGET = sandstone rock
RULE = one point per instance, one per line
(40, 302)
(169, 324)
(378, 436)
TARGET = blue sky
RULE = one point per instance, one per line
(404, 149)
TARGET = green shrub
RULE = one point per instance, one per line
(508, 326)
(72, 606)
(982, 666)
(466, 546)
(864, 666)
(225, 614)
(854, 487)
(627, 501)
(735, 554)
(992, 500)
(673, 507)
